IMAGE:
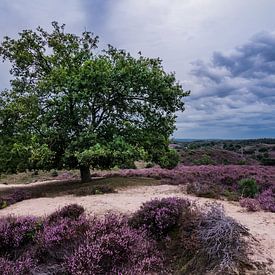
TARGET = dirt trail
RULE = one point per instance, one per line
(261, 224)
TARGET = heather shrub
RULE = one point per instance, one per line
(14, 197)
(267, 199)
(112, 247)
(218, 174)
(58, 238)
(159, 216)
(248, 187)
(251, 205)
(22, 266)
(183, 242)
(16, 233)
(71, 211)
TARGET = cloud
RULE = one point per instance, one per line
(236, 91)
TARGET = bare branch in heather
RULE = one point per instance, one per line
(221, 240)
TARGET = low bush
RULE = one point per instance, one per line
(204, 160)
(267, 199)
(57, 240)
(22, 266)
(149, 165)
(248, 187)
(160, 216)
(72, 211)
(251, 205)
(112, 247)
(268, 161)
(170, 159)
(14, 197)
(16, 233)
(54, 173)
(3, 203)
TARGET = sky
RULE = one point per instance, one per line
(221, 50)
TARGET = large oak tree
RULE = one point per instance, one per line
(71, 105)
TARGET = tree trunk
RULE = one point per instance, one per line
(85, 173)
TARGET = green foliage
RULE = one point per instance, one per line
(54, 173)
(268, 161)
(3, 204)
(170, 159)
(263, 149)
(69, 105)
(205, 160)
(248, 187)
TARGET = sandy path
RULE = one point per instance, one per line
(261, 224)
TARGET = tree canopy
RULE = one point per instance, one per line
(72, 105)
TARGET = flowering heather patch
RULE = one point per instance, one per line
(69, 242)
(112, 247)
(22, 266)
(267, 199)
(217, 174)
(16, 232)
(251, 205)
(160, 216)
(57, 240)
(63, 230)
(72, 211)
(14, 197)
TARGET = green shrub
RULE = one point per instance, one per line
(248, 187)
(54, 173)
(3, 204)
(170, 159)
(149, 165)
(268, 161)
(205, 160)
(242, 162)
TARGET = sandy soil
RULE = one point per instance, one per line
(261, 224)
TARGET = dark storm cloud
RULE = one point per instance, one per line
(236, 91)
(251, 65)
(256, 59)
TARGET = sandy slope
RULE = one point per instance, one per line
(261, 224)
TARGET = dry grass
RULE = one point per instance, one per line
(29, 177)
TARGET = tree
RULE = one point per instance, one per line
(69, 105)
